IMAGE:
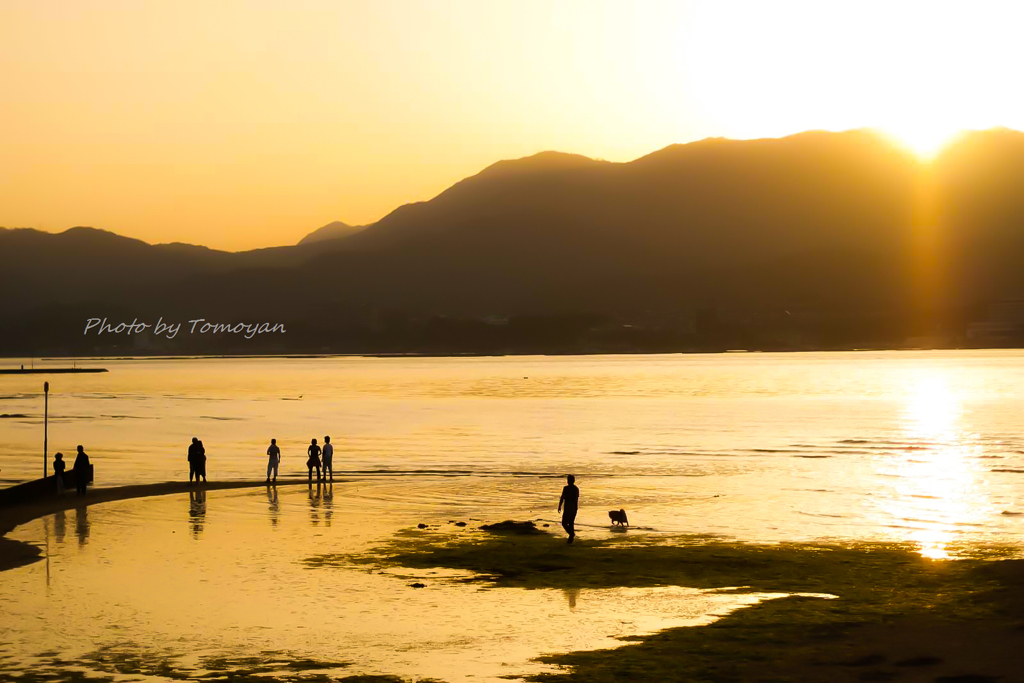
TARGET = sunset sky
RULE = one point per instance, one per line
(248, 124)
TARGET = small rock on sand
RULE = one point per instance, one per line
(513, 527)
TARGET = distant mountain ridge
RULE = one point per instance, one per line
(332, 231)
(832, 226)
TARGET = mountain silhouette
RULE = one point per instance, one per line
(817, 240)
(331, 231)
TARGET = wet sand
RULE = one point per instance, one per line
(896, 616)
(16, 554)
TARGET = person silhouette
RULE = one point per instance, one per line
(193, 453)
(571, 499)
(58, 471)
(200, 461)
(81, 468)
(328, 458)
(313, 460)
(274, 453)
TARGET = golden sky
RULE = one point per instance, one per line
(247, 124)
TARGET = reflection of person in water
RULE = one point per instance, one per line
(60, 521)
(571, 500)
(274, 508)
(82, 524)
(196, 511)
(328, 503)
(313, 460)
(314, 503)
(571, 594)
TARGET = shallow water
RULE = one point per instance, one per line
(180, 585)
(919, 446)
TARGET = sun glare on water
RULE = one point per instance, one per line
(933, 477)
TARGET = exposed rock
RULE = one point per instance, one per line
(513, 527)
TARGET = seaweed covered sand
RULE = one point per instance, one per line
(896, 615)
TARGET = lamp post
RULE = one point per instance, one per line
(46, 421)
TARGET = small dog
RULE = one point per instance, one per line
(618, 517)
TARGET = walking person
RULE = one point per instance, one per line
(328, 458)
(58, 471)
(571, 499)
(313, 460)
(81, 468)
(274, 453)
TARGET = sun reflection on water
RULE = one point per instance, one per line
(937, 489)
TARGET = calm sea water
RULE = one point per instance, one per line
(918, 447)
(923, 446)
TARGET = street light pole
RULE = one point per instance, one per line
(46, 421)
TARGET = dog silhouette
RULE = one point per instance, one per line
(618, 517)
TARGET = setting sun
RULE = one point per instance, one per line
(921, 72)
(924, 140)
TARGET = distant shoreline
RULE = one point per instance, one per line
(511, 354)
(18, 553)
(51, 371)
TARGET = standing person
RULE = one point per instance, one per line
(571, 499)
(328, 458)
(58, 471)
(81, 468)
(200, 461)
(193, 471)
(314, 460)
(274, 453)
